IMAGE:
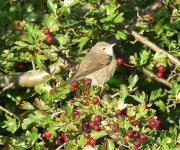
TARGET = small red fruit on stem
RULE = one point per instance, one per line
(49, 39)
(46, 31)
(75, 113)
(130, 134)
(47, 134)
(119, 61)
(137, 143)
(97, 119)
(88, 82)
(142, 137)
(92, 142)
(159, 74)
(118, 112)
(95, 100)
(161, 68)
(115, 127)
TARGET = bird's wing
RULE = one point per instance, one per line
(93, 61)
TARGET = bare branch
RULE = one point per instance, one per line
(31, 78)
(152, 75)
(154, 47)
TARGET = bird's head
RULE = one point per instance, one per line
(104, 47)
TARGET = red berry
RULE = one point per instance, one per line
(92, 142)
(137, 143)
(85, 102)
(60, 134)
(115, 127)
(72, 88)
(49, 39)
(119, 61)
(159, 74)
(96, 127)
(87, 135)
(135, 123)
(75, 113)
(85, 92)
(161, 68)
(88, 82)
(95, 100)
(46, 31)
(130, 134)
(47, 134)
(142, 137)
(97, 119)
(92, 124)
(65, 138)
(178, 145)
(75, 84)
(51, 90)
(152, 123)
(21, 65)
(57, 142)
(118, 112)
(136, 133)
(5, 147)
(158, 122)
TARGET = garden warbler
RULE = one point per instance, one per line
(99, 65)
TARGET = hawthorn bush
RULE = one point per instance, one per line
(42, 41)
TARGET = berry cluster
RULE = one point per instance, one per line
(160, 71)
(137, 137)
(61, 138)
(49, 38)
(154, 123)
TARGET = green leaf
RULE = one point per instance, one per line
(61, 39)
(98, 134)
(119, 18)
(50, 23)
(140, 97)
(133, 80)
(26, 105)
(155, 94)
(38, 118)
(70, 3)
(30, 29)
(83, 41)
(160, 59)
(110, 145)
(11, 124)
(120, 35)
(69, 110)
(52, 6)
(144, 57)
(161, 105)
(32, 135)
(123, 91)
(42, 88)
(38, 59)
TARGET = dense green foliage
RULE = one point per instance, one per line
(49, 116)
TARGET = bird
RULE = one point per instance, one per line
(99, 65)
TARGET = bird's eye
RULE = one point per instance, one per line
(103, 48)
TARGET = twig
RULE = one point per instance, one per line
(152, 75)
(7, 87)
(9, 113)
(170, 78)
(58, 148)
(173, 105)
(154, 47)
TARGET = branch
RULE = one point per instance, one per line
(152, 75)
(9, 113)
(31, 78)
(154, 47)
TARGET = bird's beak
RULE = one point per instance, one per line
(112, 45)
